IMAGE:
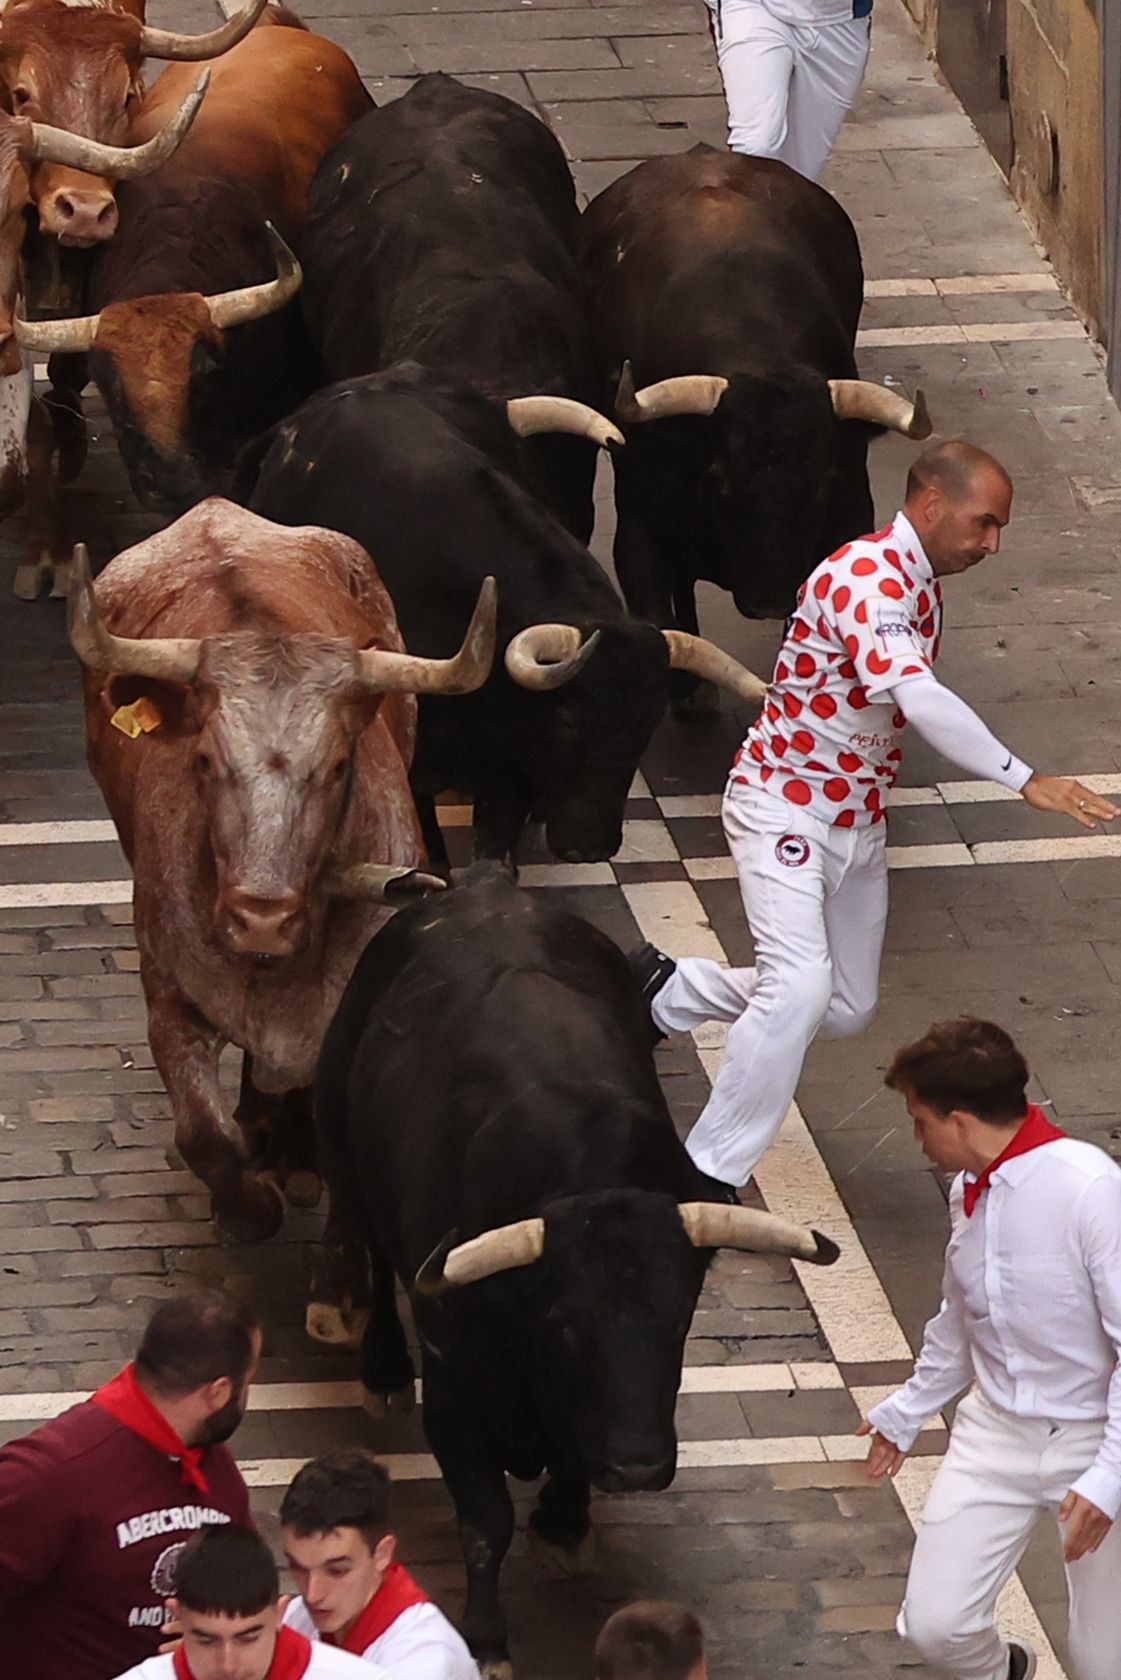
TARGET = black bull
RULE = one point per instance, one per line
(424, 473)
(725, 293)
(491, 1121)
(442, 229)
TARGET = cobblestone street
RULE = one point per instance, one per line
(770, 1531)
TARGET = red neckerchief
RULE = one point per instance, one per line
(1036, 1130)
(398, 1592)
(289, 1660)
(125, 1400)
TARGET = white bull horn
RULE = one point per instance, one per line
(705, 659)
(75, 333)
(384, 673)
(530, 415)
(719, 1225)
(546, 656)
(169, 43)
(384, 881)
(862, 399)
(170, 658)
(119, 163)
(250, 303)
(504, 1249)
(689, 393)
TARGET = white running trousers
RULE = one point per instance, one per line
(816, 903)
(788, 87)
(1000, 1475)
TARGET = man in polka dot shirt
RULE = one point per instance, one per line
(804, 806)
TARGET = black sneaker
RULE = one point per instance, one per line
(651, 969)
(1021, 1662)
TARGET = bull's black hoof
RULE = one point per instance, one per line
(561, 1559)
(257, 1214)
(827, 1250)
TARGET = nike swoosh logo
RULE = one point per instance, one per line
(1007, 765)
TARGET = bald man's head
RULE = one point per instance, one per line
(959, 499)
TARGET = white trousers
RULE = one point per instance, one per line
(1000, 1474)
(788, 88)
(816, 903)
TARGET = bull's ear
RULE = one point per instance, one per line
(430, 1279)
(141, 705)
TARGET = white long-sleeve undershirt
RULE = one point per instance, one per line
(954, 729)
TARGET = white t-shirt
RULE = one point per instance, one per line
(827, 739)
(326, 1663)
(420, 1644)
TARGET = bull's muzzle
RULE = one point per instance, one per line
(636, 1475)
(263, 927)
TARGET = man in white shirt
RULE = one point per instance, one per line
(1031, 1317)
(354, 1594)
(226, 1611)
(804, 806)
(791, 69)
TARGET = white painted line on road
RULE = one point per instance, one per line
(40, 895)
(980, 332)
(55, 833)
(961, 285)
(1016, 1617)
(691, 1455)
(347, 1396)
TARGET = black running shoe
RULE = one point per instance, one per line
(651, 969)
(1021, 1662)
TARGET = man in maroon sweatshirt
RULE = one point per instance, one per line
(96, 1505)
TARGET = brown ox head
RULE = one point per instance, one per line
(143, 353)
(272, 716)
(77, 67)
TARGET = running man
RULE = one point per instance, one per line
(804, 806)
(1031, 1323)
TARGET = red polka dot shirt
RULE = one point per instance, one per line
(827, 738)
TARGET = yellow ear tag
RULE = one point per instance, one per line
(138, 719)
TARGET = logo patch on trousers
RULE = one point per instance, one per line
(792, 850)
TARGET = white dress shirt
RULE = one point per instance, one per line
(420, 1644)
(1031, 1308)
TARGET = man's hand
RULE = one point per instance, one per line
(884, 1457)
(172, 1630)
(1064, 794)
(1085, 1526)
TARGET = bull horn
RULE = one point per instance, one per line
(705, 659)
(120, 163)
(76, 333)
(530, 415)
(249, 303)
(690, 393)
(169, 43)
(862, 399)
(719, 1225)
(502, 1250)
(383, 672)
(545, 656)
(385, 881)
(170, 658)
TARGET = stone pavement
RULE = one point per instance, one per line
(769, 1531)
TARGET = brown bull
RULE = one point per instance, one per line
(261, 794)
(183, 393)
(78, 67)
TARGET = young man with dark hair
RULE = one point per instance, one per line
(340, 1553)
(806, 798)
(227, 1608)
(651, 1640)
(96, 1505)
(1030, 1323)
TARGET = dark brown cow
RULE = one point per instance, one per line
(26, 441)
(183, 393)
(78, 67)
(267, 799)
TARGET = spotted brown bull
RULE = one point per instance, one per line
(268, 799)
